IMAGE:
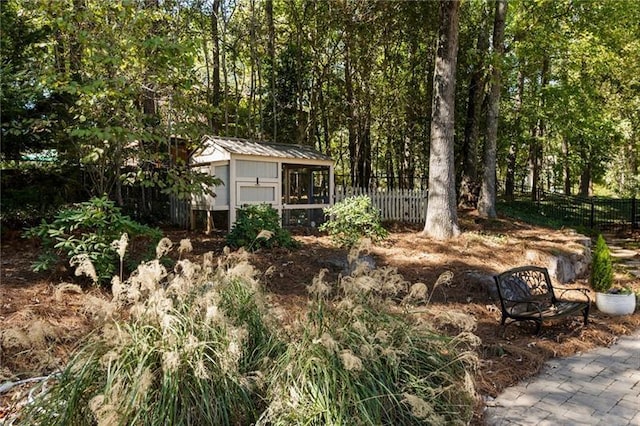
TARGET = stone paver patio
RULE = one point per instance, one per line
(599, 387)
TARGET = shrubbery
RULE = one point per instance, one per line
(352, 219)
(259, 226)
(199, 346)
(86, 231)
(601, 267)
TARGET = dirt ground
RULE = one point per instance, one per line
(41, 325)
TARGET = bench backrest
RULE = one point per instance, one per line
(524, 284)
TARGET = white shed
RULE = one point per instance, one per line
(296, 180)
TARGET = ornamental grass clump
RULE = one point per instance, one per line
(361, 357)
(195, 349)
(196, 345)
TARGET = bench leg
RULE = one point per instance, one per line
(538, 326)
(502, 330)
(585, 314)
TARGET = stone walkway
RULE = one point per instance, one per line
(628, 257)
(599, 387)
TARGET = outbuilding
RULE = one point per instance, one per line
(296, 180)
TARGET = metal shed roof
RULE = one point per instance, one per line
(264, 149)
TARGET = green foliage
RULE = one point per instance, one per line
(601, 267)
(259, 226)
(32, 192)
(352, 219)
(87, 228)
(347, 77)
(180, 182)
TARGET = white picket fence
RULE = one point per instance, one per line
(402, 205)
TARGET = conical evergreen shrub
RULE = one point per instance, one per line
(601, 267)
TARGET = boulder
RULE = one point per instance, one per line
(485, 281)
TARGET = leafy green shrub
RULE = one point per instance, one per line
(86, 231)
(259, 226)
(195, 350)
(601, 267)
(352, 219)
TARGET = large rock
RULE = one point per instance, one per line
(566, 266)
(341, 263)
(485, 281)
(569, 267)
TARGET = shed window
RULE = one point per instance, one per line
(257, 169)
(305, 184)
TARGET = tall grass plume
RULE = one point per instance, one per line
(169, 363)
(198, 344)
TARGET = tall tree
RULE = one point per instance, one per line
(469, 178)
(487, 201)
(442, 217)
(514, 145)
(214, 95)
(271, 66)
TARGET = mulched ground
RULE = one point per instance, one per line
(41, 327)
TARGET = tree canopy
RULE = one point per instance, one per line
(103, 83)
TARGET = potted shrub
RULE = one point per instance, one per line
(613, 301)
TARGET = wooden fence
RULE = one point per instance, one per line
(402, 205)
(179, 212)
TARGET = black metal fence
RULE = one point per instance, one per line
(591, 212)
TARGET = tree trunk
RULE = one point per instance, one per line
(442, 217)
(468, 182)
(512, 156)
(149, 92)
(75, 46)
(535, 160)
(364, 149)
(566, 167)
(487, 200)
(408, 163)
(215, 75)
(388, 161)
(534, 170)
(271, 50)
(325, 123)
(585, 180)
(352, 115)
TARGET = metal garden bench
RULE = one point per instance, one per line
(526, 294)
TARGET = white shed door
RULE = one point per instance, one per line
(251, 193)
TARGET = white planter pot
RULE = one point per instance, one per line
(616, 304)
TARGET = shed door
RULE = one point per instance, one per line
(250, 193)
